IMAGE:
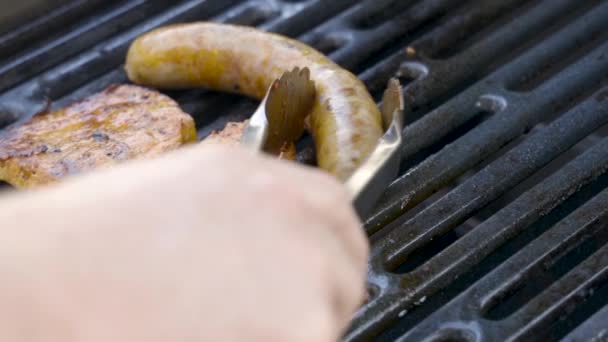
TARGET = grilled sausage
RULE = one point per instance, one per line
(345, 122)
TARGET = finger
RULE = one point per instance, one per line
(346, 281)
(328, 198)
(313, 191)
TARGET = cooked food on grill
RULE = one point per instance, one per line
(122, 122)
(231, 135)
(345, 122)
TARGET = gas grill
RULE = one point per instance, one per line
(497, 227)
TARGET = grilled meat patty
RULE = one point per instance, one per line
(123, 122)
(231, 136)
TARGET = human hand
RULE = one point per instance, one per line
(206, 243)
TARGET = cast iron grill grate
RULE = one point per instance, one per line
(496, 228)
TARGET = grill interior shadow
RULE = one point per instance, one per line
(520, 296)
(560, 267)
(565, 324)
(4, 186)
(544, 279)
(423, 154)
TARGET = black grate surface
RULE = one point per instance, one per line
(497, 227)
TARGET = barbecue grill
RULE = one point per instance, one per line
(496, 228)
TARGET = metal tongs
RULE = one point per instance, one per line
(292, 96)
(280, 116)
(371, 179)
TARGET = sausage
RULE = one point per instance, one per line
(345, 122)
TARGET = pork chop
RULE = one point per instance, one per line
(122, 122)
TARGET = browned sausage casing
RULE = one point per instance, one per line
(345, 121)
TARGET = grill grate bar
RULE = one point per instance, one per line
(343, 21)
(96, 29)
(566, 293)
(480, 297)
(488, 184)
(37, 29)
(466, 67)
(370, 41)
(523, 63)
(592, 330)
(244, 14)
(58, 81)
(110, 54)
(250, 14)
(466, 252)
(454, 159)
(208, 108)
(115, 76)
(295, 23)
(556, 45)
(372, 14)
(467, 26)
